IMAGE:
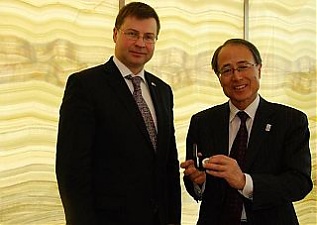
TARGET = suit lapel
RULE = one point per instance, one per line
(222, 134)
(258, 132)
(123, 93)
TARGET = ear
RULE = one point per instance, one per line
(114, 36)
(219, 78)
(260, 69)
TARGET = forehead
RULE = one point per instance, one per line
(147, 25)
(234, 53)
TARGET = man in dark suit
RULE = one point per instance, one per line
(109, 172)
(275, 169)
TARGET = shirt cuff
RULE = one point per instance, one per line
(247, 191)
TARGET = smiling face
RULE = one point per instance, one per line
(241, 86)
(134, 54)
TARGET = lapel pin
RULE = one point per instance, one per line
(268, 127)
(153, 84)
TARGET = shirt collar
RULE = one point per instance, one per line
(250, 110)
(125, 71)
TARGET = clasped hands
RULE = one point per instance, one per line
(220, 166)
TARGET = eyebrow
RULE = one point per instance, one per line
(131, 29)
(239, 62)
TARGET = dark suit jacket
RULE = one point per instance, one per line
(278, 160)
(107, 170)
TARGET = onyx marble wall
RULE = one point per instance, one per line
(42, 42)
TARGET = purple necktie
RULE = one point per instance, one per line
(143, 107)
(233, 202)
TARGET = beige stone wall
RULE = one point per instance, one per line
(42, 42)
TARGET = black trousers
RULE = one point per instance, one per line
(156, 219)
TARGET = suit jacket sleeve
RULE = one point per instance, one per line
(167, 140)
(175, 193)
(284, 176)
(190, 139)
(73, 159)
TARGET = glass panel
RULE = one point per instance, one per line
(285, 32)
(41, 43)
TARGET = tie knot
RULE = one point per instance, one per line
(243, 116)
(136, 80)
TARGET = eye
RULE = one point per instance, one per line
(149, 37)
(225, 70)
(242, 67)
(132, 34)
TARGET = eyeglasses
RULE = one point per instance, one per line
(243, 67)
(134, 35)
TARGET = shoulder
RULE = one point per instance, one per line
(280, 107)
(95, 70)
(89, 71)
(94, 73)
(282, 111)
(156, 81)
(213, 112)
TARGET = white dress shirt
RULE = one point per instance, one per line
(234, 125)
(125, 71)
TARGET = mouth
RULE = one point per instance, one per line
(240, 87)
(137, 53)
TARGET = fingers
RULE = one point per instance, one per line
(227, 168)
(218, 163)
(191, 171)
(221, 166)
(187, 164)
(189, 167)
(199, 177)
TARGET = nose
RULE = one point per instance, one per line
(236, 73)
(140, 41)
(234, 70)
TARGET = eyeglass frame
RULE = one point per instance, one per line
(134, 35)
(240, 68)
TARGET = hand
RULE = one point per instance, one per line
(196, 176)
(227, 168)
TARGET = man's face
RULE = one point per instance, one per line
(241, 85)
(135, 53)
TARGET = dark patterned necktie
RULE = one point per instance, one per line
(143, 107)
(233, 202)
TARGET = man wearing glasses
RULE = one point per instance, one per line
(248, 159)
(117, 161)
